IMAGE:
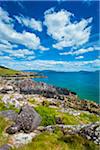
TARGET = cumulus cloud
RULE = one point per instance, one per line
(29, 22)
(81, 51)
(65, 31)
(10, 35)
(5, 16)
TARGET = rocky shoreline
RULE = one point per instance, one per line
(25, 95)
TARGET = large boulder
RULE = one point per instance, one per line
(27, 120)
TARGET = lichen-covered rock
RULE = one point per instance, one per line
(20, 139)
(92, 132)
(5, 147)
(10, 114)
(27, 120)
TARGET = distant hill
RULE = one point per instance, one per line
(6, 71)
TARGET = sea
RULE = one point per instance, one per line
(85, 84)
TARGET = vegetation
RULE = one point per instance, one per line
(3, 124)
(8, 107)
(49, 114)
(57, 141)
(5, 71)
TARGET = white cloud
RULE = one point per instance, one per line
(30, 23)
(81, 51)
(43, 48)
(9, 34)
(64, 31)
(5, 16)
(53, 65)
(21, 53)
(79, 57)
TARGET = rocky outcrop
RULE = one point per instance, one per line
(30, 87)
(89, 131)
(27, 120)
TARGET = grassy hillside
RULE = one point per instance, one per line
(6, 71)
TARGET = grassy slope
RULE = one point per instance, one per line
(56, 141)
(7, 71)
(53, 141)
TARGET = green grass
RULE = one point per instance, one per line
(8, 107)
(87, 118)
(49, 114)
(3, 124)
(6, 71)
(56, 141)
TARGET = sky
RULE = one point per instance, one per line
(50, 35)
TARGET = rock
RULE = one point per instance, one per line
(10, 114)
(89, 131)
(58, 120)
(28, 86)
(27, 120)
(6, 89)
(22, 138)
(5, 147)
(92, 131)
(8, 100)
(13, 129)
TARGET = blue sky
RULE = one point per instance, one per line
(50, 35)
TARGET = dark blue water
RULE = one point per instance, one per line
(85, 84)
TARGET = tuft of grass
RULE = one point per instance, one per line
(47, 114)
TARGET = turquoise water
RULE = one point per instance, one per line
(85, 84)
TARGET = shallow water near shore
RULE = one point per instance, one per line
(85, 84)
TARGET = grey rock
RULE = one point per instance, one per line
(10, 114)
(28, 86)
(5, 147)
(27, 120)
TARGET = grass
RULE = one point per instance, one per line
(6, 71)
(87, 118)
(56, 141)
(49, 114)
(8, 107)
(3, 124)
